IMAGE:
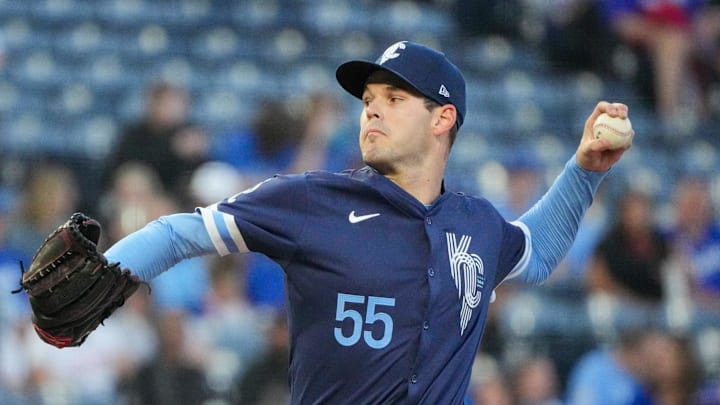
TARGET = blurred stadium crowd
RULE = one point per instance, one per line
(132, 109)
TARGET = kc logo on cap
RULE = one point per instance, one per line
(391, 52)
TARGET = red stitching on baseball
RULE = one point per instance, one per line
(606, 126)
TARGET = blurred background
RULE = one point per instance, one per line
(132, 109)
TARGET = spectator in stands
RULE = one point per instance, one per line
(266, 380)
(708, 31)
(619, 375)
(628, 261)
(163, 138)
(173, 377)
(14, 312)
(229, 325)
(489, 384)
(536, 382)
(190, 147)
(55, 374)
(708, 43)
(574, 35)
(708, 393)
(136, 315)
(11, 306)
(50, 196)
(266, 146)
(572, 271)
(135, 195)
(661, 30)
(676, 375)
(490, 17)
(695, 236)
(287, 137)
(646, 367)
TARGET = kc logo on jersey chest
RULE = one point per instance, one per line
(467, 271)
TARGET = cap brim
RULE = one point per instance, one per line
(353, 75)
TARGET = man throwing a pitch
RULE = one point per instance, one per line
(389, 274)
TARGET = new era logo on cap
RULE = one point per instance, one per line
(427, 70)
(443, 91)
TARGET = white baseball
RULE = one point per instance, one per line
(617, 131)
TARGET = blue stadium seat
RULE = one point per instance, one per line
(22, 36)
(256, 14)
(108, 71)
(221, 107)
(219, 42)
(486, 56)
(27, 132)
(311, 77)
(9, 99)
(122, 12)
(93, 136)
(409, 19)
(333, 17)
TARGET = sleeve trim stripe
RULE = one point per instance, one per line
(212, 230)
(238, 242)
(522, 264)
(223, 232)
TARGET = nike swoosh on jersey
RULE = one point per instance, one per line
(354, 219)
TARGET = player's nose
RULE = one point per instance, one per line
(371, 109)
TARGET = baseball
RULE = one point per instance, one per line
(617, 131)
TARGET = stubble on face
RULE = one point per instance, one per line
(377, 150)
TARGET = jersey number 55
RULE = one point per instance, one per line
(344, 311)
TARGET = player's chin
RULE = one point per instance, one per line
(383, 166)
(370, 153)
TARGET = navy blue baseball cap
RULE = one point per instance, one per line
(428, 71)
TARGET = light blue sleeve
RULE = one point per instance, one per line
(552, 223)
(161, 244)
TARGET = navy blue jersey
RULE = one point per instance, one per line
(387, 298)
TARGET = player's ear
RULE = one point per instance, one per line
(444, 119)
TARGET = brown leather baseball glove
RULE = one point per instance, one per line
(71, 286)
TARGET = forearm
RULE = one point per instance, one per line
(161, 244)
(554, 220)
